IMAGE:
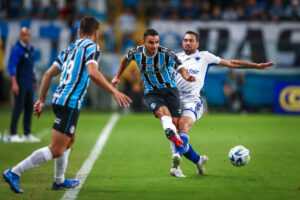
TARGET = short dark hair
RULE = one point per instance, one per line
(193, 33)
(151, 32)
(88, 25)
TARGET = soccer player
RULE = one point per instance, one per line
(76, 64)
(161, 94)
(197, 63)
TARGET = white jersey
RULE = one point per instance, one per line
(196, 64)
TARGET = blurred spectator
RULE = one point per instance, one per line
(232, 88)
(128, 42)
(187, 10)
(255, 10)
(172, 11)
(36, 11)
(293, 11)
(69, 10)
(229, 14)
(14, 8)
(240, 12)
(131, 3)
(127, 21)
(108, 36)
(87, 9)
(3, 9)
(51, 11)
(205, 10)
(216, 13)
(276, 11)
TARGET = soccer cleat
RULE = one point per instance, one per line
(176, 160)
(16, 138)
(30, 138)
(176, 172)
(201, 163)
(13, 180)
(174, 137)
(68, 183)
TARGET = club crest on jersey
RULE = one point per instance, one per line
(197, 58)
(152, 106)
(72, 129)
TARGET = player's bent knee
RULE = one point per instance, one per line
(57, 152)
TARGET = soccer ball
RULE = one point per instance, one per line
(239, 156)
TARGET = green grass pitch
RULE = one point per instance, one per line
(136, 159)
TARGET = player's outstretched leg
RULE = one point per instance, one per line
(38, 157)
(13, 180)
(171, 130)
(199, 161)
(59, 173)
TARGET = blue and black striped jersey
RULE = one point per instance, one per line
(74, 78)
(156, 70)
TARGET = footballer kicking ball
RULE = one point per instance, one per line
(239, 156)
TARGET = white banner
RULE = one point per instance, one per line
(258, 42)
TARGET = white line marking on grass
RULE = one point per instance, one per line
(82, 174)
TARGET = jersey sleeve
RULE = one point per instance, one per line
(14, 59)
(211, 58)
(59, 60)
(174, 60)
(93, 54)
(131, 54)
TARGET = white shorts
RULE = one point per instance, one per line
(192, 109)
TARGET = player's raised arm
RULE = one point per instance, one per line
(99, 79)
(244, 64)
(125, 62)
(46, 81)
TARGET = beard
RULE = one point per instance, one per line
(189, 50)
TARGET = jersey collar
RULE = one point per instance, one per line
(146, 54)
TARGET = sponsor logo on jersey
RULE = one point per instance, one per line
(185, 92)
(192, 71)
(57, 121)
(152, 106)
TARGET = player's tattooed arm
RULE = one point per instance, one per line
(244, 64)
(46, 81)
(124, 64)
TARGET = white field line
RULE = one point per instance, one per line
(82, 174)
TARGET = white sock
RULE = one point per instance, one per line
(35, 159)
(172, 147)
(166, 122)
(60, 167)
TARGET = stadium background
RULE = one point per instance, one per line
(256, 31)
(135, 161)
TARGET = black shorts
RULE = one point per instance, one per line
(65, 119)
(168, 97)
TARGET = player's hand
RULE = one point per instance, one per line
(38, 108)
(15, 88)
(265, 65)
(191, 78)
(122, 99)
(115, 81)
